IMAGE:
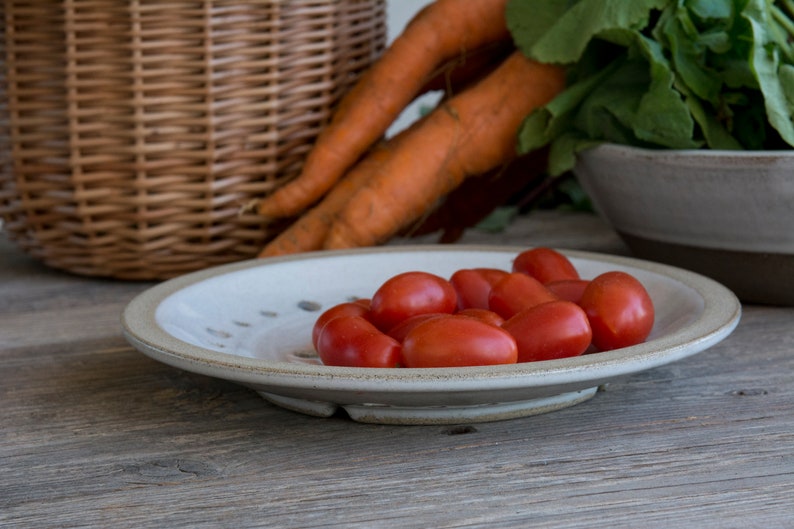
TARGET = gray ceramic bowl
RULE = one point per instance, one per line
(726, 214)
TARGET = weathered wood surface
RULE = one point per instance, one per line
(95, 434)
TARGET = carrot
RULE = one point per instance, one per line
(442, 30)
(308, 232)
(478, 196)
(469, 134)
(458, 72)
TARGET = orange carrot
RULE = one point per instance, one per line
(308, 232)
(479, 195)
(467, 135)
(460, 71)
(442, 30)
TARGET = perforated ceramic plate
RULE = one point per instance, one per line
(250, 323)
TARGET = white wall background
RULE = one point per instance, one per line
(399, 12)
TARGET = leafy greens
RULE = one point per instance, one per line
(678, 74)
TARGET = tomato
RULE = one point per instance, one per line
(473, 286)
(516, 292)
(558, 329)
(359, 307)
(542, 310)
(457, 341)
(568, 289)
(620, 310)
(352, 341)
(488, 316)
(399, 331)
(492, 275)
(408, 294)
(545, 265)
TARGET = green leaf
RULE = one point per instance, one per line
(688, 54)
(558, 32)
(706, 10)
(786, 74)
(765, 62)
(546, 123)
(529, 20)
(663, 116)
(562, 154)
(498, 220)
(675, 74)
(716, 137)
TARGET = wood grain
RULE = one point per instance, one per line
(95, 434)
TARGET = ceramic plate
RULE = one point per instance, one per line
(250, 322)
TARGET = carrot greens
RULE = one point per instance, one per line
(681, 74)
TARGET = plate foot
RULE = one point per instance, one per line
(414, 415)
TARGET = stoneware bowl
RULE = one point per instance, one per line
(725, 214)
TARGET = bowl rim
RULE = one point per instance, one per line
(666, 152)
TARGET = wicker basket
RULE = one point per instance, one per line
(132, 132)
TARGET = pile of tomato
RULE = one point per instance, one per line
(540, 310)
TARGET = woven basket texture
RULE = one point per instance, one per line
(133, 132)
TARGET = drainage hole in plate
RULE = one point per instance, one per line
(309, 306)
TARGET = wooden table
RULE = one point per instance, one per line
(95, 434)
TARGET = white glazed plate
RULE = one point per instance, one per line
(250, 323)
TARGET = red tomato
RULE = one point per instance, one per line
(409, 294)
(488, 316)
(557, 329)
(364, 302)
(492, 275)
(620, 310)
(517, 292)
(568, 289)
(545, 265)
(399, 331)
(457, 341)
(473, 286)
(353, 308)
(352, 341)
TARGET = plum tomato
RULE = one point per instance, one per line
(558, 329)
(488, 316)
(545, 265)
(516, 292)
(352, 341)
(399, 331)
(457, 341)
(473, 286)
(408, 294)
(360, 307)
(492, 275)
(620, 310)
(568, 289)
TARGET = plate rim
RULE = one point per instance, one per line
(721, 314)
